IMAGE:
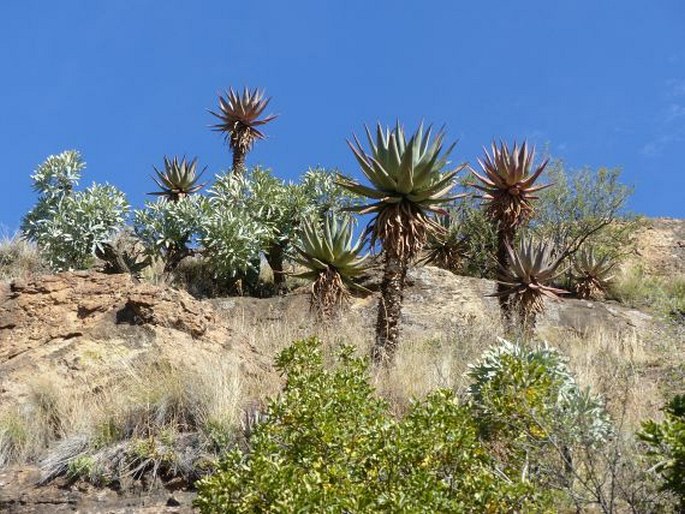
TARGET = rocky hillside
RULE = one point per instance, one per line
(661, 246)
(87, 328)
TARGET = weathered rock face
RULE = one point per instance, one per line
(85, 324)
(67, 305)
(87, 327)
(661, 246)
(436, 302)
(19, 495)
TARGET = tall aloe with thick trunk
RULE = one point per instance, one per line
(238, 120)
(407, 183)
(507, 185)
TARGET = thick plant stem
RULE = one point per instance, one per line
(275, 259)
(175, 255)
(505, 237)
(389, 309)
(239, 160)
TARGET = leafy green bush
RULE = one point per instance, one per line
(528, 404)
(67, 225)
(579, 203)
(242, 217)
(231, 242)
(479, 240)
(329, 445)
(323, 193)
(666, 442)
(585, 203)
(467, 243)
(269, 210)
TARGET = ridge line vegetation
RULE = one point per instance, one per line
(515, 433)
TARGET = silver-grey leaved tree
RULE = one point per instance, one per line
(69, 226)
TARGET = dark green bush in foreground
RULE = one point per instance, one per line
(329, 445)
(666, 441)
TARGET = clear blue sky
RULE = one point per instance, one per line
(128, 81)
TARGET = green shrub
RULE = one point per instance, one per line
(578, 202)
(69, 225)
(327, 444)
(527, 403)
(574, 206)
(473, 237)
(169, 229)
(666, 442)
(319, 186)
(237, 228)
(277, 206)
(242, 217)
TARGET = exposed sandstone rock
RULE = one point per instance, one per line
(86, 327)
(661, 246)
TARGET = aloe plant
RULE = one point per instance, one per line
(408, 181)
(446, 248)
(179, 179)
(527, 280)
(239, 116)
(507, 185)
(592, 273)
(333, 260)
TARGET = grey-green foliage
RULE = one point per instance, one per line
(68, 225)
(265, 198)
(241, 217)
(231, 239)
(270, 210)
(528, 399)
(580, 200)
(165, 227)
(227, 237)
(319, 186)
(280, 206)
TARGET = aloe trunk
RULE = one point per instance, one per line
(175, 255)
(239, 160)
(275, 259)
(389, 309)
(505, 238)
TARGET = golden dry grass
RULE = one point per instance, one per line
(19, 259)
(158, 401)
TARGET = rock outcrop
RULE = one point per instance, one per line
(661, 246)
(90, 325)
(87, 327)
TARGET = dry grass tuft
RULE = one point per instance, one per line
(19, 259)
(156, 420)
(664, 296)
(160, 420)
(615, 365)
(47, 414)
(423, 366)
